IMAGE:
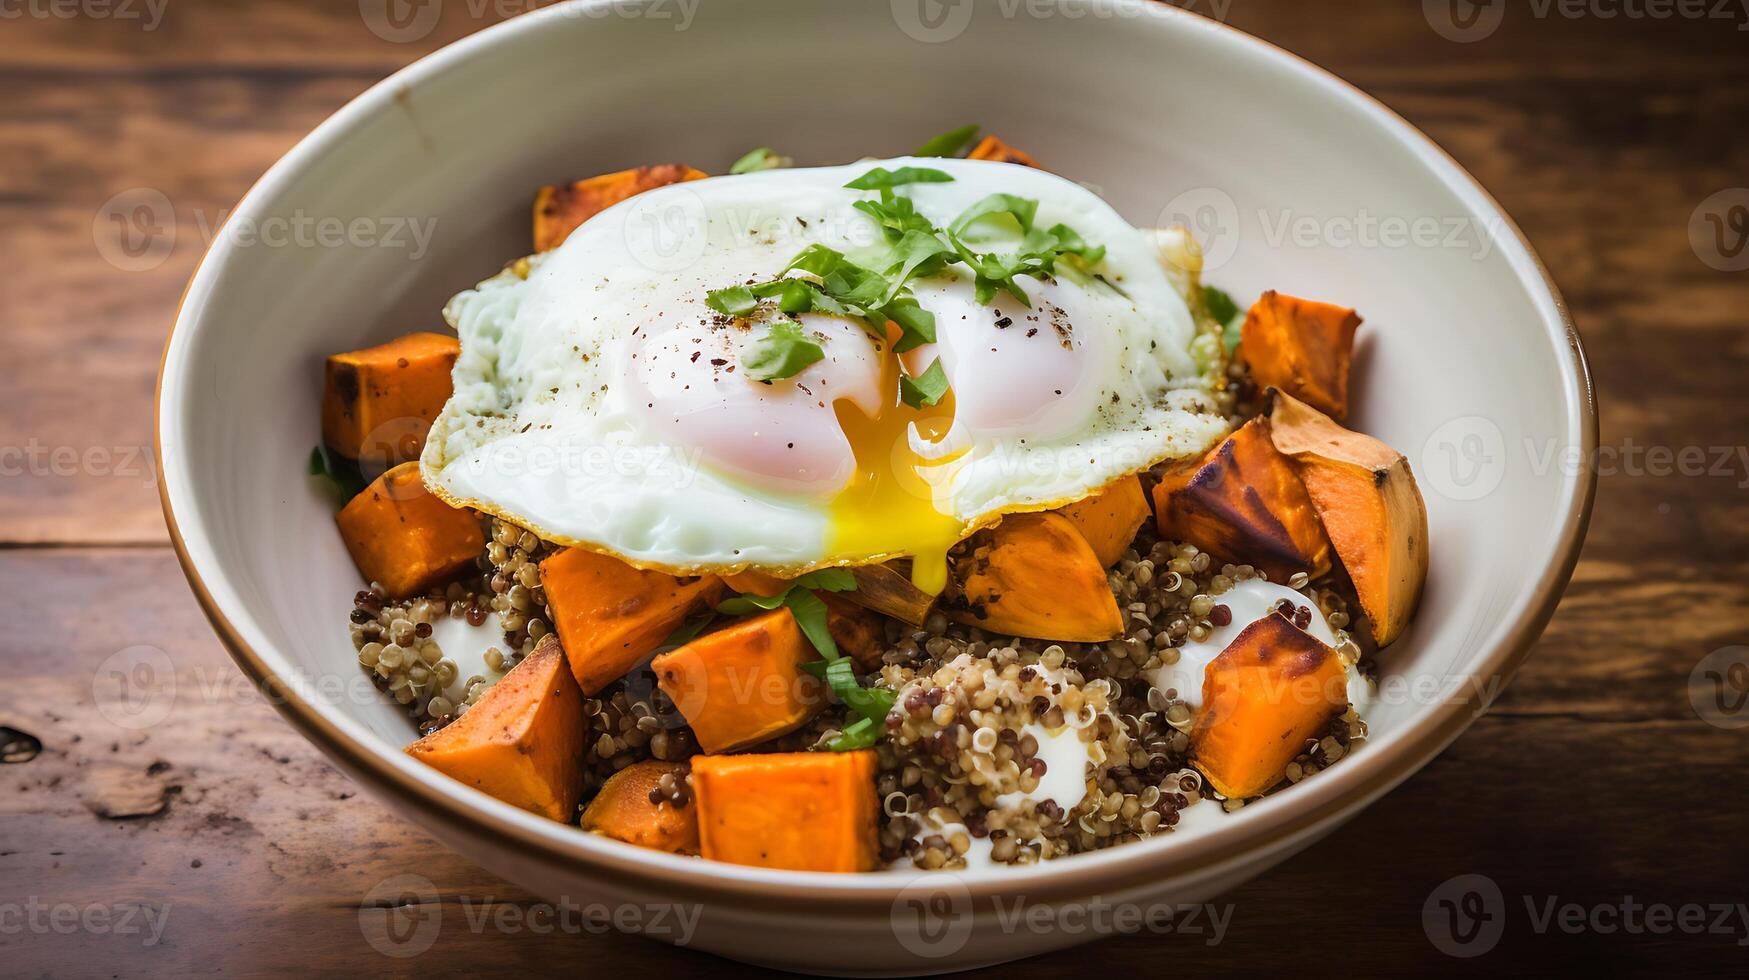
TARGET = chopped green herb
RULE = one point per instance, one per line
(734, 300)
(916, 324)
(794, 296)
(817, 259)
(917, 248)
(1070, 242)
(918, 253)
(810, 614)
(760, 159)
(896, 216)
(782, 352)
(859, 734)
(880, 178)
(925, 389)
(746, 605)
(853, 285)
(1021, 209)
(949, 144)
(872, 703)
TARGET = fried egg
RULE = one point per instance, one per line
(599, 402)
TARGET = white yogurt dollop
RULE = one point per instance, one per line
(467, 644)
(1249, 601)
(1065, 779)
(977, 855)
(1199, 817)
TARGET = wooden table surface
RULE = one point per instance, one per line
(1592, 781)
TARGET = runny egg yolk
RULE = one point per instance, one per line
(890, 504)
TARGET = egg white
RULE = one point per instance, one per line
(587, 407)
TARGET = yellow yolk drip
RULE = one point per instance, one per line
(889, 505)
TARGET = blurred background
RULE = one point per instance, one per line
(1595, 816)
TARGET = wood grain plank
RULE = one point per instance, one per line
(86, 322)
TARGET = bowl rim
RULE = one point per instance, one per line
(1265, 825)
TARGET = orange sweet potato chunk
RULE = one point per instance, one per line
(1110, 518)
(1273, 689)
(405, 537)
(378, 403)
(1243, 502)
(1034, 575)
(1371, 508)
(623, 810)
(558, 211)
(992, 148)
(755, 582)
(610, 615)
(523, 741)
(799, 811)
(744, 683)
(1302, 347)
(858, 631)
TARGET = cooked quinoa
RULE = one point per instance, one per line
(961, 754)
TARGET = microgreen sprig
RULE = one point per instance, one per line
(763, 158)
(949, 144)
(831, 283)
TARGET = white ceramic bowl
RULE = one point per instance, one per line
(1294, 179)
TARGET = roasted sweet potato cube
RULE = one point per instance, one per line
(1302, 347)
(610, 616)
(799, 811)
(1034, 575)
(523, 741)
(1369, 504)
(559, 210)
(405, 537)
(857, 630)
(755, 582)
(378, 403)
(1110, 518)
(1264, 698)
(859, 633)
(743, 683)
(992, 148)
(631, 808)
(1243, 502)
